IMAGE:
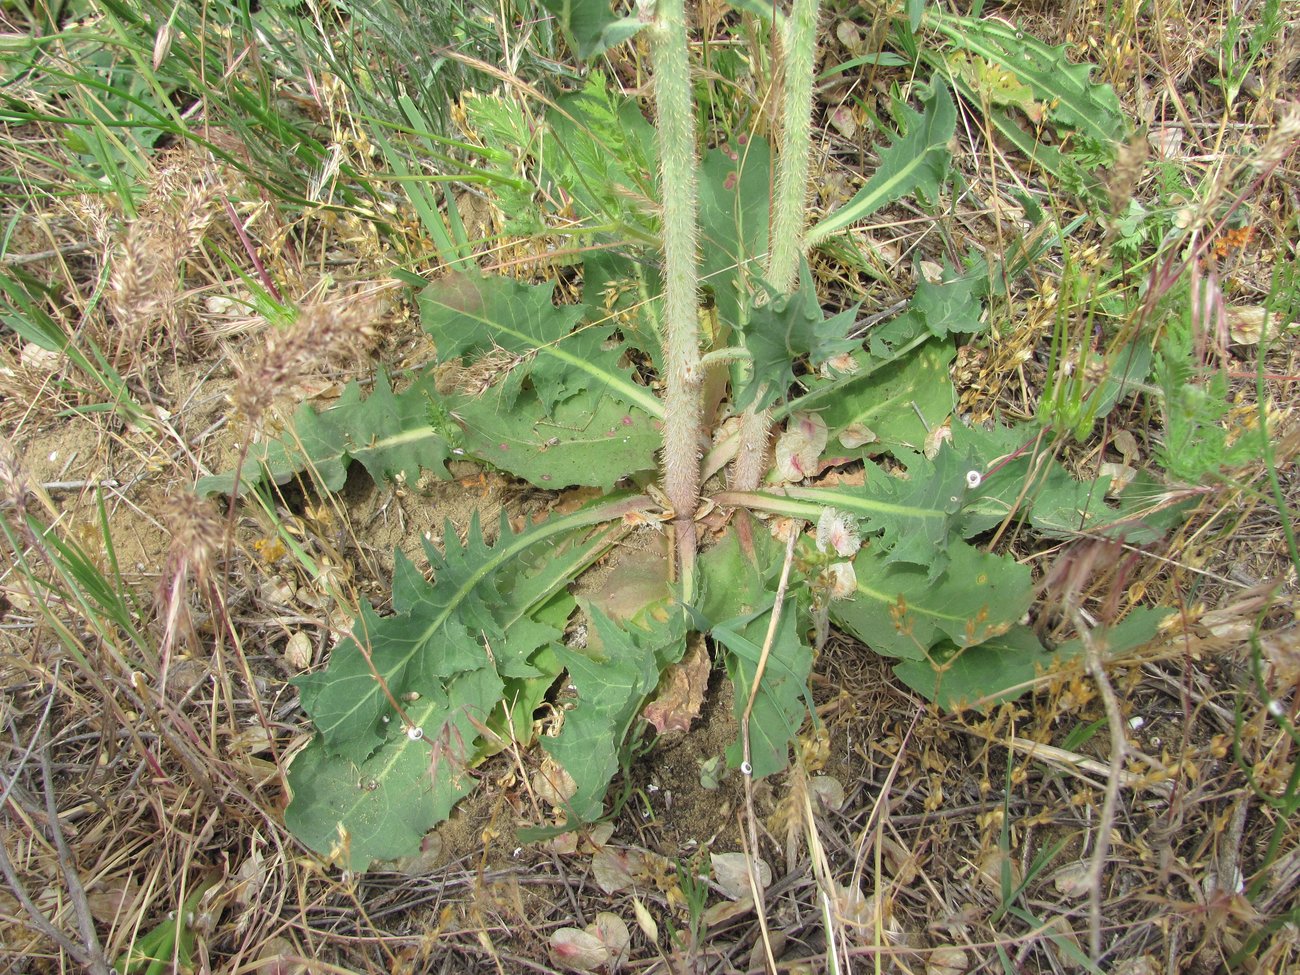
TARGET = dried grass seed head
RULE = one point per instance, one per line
(1282, 140)
(324, 332)
(14, 488)
(147, 286)
(197, 532)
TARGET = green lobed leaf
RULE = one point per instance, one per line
(735, 184)
(346, 702)
(737, 585)
(611, 692)
(916, 162)
(474, 316)
(591, 25)
(1024, 482)
(900, 610)
(916, 516)
(1000, 669)
(387, 431)
(785, 331)
(590, 439)
(783, 700)
(456, 682)
(1071, 99)
(939, 308)
(1005, 666)
(899, 405)
(380, 808)
(441, 628)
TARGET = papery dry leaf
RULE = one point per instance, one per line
(1246, 323)
(777, 942)
(613, 933)
(681, 689)
(856, 435)
(843, 580)
(731, 873)
(1127, 445)
(849, 35)
(616, 869)
(871, 918)
(109, 904)
(1281, 649)
(842, 120)
(840, 364)
(38, 358)
(935, 439)
(1166, 142)
(989, 869)
(566, 844)
(424, 862)
(298, 651)
(1072, 880)
(552, 784)
(947, 961)
(1121, 475)
(250, 878)
(854, 907)
(1141, 965)
(1236, 621)
(595, 837)
(800, 446)
(827, 790)
(279, 957)
(724, 912)
(578, 950)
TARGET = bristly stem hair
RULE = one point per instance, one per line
(680, 329)
(789, 210)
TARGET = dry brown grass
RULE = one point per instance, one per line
(144, 756)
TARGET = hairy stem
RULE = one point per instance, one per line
(752, 453)
(789, 211)
(681, 341)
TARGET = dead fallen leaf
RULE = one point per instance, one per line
(1121, 475)
(298, 651)
(731, 873)
(553, 785)
(935, 439)
(578, 950)
(279, 957)
(617, 870)
(856, 435)
(800, 446)
(841, 118)
(1166, 141)
(1127, 445)
(1071, 881)
(827, 790)
(681, 689)
(725, 911)
(947, 961)
(849, 35)
(613, 933)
